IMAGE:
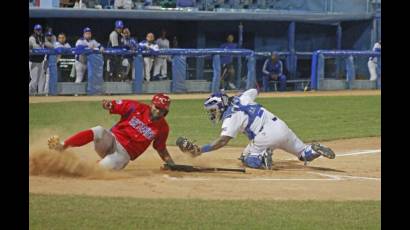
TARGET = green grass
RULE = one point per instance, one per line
(82, 212)
(311, 118)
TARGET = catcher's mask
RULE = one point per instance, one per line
(216, 105)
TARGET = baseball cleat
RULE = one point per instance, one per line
(55, 144)
(323, 150)
(267, 159)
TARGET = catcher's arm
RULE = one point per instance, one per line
(188, 146)
(217, 144)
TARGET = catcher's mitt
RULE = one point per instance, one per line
(188, 146)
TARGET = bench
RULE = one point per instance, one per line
(301, 82)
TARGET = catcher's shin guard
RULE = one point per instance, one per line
(55, 144)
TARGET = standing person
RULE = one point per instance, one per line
(114, 61)
(81, 59)
(273, 70)
(228, 71)
(37, 81)
(61, 43)
(372, 63)
(139, 125)
(160, 63)
(148, 44)
(129, 43)
(49, 43)
(175, 42)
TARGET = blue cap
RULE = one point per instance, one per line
(119, 24)
(38, 27)
(86, 29)
(49, 33)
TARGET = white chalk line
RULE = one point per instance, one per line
(360, 153)
(353, 154)
(330, 177)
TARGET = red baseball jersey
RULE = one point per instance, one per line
(135, 130)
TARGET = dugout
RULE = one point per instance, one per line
(351, 25)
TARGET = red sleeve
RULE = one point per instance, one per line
(160, 142)
(123, 107)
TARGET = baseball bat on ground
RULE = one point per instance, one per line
(190, 168)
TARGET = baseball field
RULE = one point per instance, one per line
(68, 190)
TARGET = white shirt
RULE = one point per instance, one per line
(162, 44)
(376, 48)
(238, 121)
(58, 45)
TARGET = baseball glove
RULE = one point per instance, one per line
(188, 146)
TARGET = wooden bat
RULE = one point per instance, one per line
(190, 168)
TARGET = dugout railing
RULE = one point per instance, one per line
(95, 62)
(343, 59)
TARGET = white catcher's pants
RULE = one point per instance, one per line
(160, 66)
(373, 70)
(276, 135)
(80, 69)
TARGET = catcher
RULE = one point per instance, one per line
(265, 131)
(139, 125)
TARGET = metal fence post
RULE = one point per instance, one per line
(52, 82)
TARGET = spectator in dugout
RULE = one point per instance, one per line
(148, 44)
(85, 42)
(160, 62)
(61, 44)
(128, 43)
(273, 70)
(37, 78)
(114, 61)
(49, 44)
(228, 71)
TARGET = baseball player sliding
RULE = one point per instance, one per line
(139, 125)
(265, 131)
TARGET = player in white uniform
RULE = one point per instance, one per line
(372, 63)
(81, 60)
(148, 44)
(265, 131)
(160, 63)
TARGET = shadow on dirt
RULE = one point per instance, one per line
(297, 165)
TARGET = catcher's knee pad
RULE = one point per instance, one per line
(98, 132)
(262, 160)
(253, 160)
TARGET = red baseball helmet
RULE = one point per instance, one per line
(161, 101)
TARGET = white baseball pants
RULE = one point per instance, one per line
(276, 135)
(373, 70)
(160, 66)
(147, 67)
(38, 79)
(80, 69)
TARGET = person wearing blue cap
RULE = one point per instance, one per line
(37, 78)
(48, 43)
(85, 42)
(273, 70)
(114, 62)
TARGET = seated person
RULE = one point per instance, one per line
(273, 70)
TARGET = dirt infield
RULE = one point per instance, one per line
(353, 175)
(42, 99)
